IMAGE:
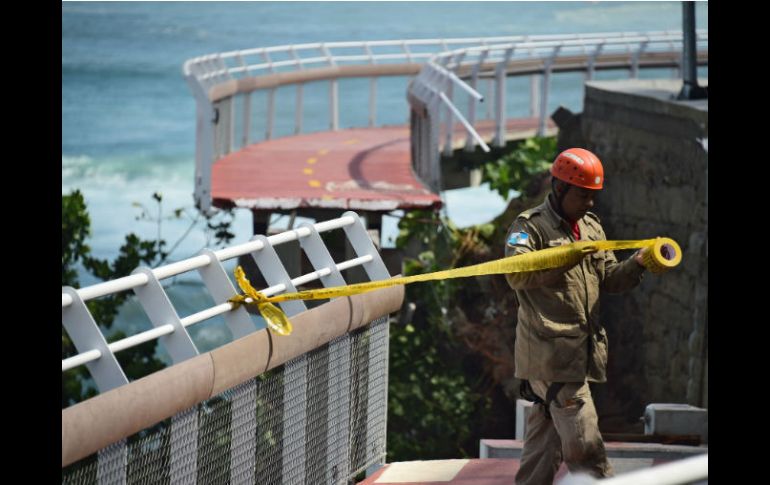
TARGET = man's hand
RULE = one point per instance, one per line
(639, 256)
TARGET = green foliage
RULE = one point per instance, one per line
(432, 401)
(75, 229)
(135, 252)
(516, 169)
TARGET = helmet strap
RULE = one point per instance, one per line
(559, 195)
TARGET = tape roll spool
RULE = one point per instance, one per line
(663, 255)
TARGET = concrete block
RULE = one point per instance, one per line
(523, 408)
(489, 448)
(498, 448)
(676, 419)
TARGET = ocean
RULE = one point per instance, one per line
(128, 117)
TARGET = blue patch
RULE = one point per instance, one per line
(520, 238)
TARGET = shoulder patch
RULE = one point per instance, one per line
(518, 238)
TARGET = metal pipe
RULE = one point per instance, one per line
(465, 123)
(80, 359)
(690, 89)
(298, 111)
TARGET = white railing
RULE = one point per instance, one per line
(434, 86)
(220, 81)
(94, 352)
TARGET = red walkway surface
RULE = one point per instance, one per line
(358, 169)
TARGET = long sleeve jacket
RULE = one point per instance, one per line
(559, 337)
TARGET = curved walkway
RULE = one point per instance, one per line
(355, 169)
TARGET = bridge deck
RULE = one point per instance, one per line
(358, 169)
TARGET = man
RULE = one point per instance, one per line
(560, 343)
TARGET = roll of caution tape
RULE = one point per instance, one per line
(663, 255)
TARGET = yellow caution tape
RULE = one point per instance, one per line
(664, 254)
(274, 316)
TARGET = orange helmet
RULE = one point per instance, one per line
(579, 167)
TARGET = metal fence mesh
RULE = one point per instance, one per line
(319, 418)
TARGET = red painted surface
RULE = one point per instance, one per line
(357, 169)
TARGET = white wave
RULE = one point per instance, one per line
(75, 161)
(79, 171)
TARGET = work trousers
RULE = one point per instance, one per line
(572, 434)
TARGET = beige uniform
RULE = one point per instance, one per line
(559, 339)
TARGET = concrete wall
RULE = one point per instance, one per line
(655, 156)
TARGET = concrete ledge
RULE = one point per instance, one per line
(489, 448)
(653, 95)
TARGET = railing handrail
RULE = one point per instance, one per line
(178, 267)
(191, 66)
(517, 54)
(92, 347)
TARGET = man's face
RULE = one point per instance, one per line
(577, 202)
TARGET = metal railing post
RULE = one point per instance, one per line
(273, 271)
(534, 89)
(362, 245)
(319, 256)
(689, 60)
(230, 123)
(469, 139)
(372, 90)
(500, 102)
(448, 134)
(204, 145)
(270, 114)
(544, 98)
(490, 97)
(221, 289)
(85, 336)
(635, 61)
(270, 100)
(298, 108)
(246, 123)
(161, 312)
(592, 61)
(334, 116)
